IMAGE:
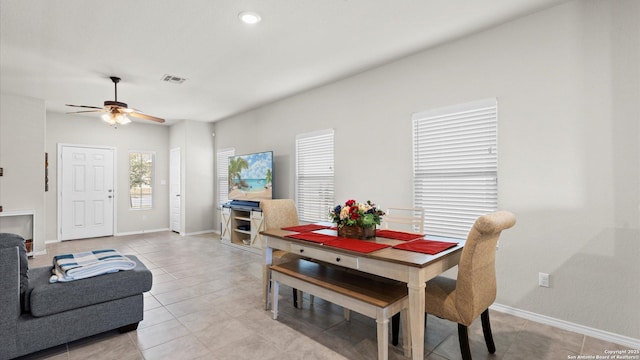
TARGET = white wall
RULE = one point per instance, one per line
(196, 143)
(85, 130)
(568, 84)
(22, 148)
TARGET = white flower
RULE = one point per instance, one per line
(344, 213)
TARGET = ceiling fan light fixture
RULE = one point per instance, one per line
(115, 119)
(249, 17)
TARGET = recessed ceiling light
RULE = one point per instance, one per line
(249, 17)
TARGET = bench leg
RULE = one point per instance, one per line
(266, 285)
(275, 290)
(297, 295)
(347, 314)
(383, 337)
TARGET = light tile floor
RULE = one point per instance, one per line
(206, 303)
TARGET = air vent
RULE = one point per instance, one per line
(173, 79)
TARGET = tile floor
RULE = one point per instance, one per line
(206, 304)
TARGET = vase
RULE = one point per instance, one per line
(357, 232)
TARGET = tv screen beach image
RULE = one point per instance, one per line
(251, 176)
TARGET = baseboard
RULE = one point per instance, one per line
(199, 232)
(566, 325)
(140, 232)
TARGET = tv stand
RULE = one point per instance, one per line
(241, 225)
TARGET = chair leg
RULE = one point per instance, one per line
(295, 298)
(463, 338)
(486, 329)
(395, 329)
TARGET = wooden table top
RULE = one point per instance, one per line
(389, 254)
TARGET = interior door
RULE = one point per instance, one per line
(87, 193)
(174, 191)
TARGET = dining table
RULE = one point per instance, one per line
(391, 254)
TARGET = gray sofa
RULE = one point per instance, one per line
(36, 315)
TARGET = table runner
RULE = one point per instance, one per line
(398, 235)
(430, 247)
(305, 228)
(362, 246)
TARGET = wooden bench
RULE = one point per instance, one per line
(370, 295)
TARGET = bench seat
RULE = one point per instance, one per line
(376, 297)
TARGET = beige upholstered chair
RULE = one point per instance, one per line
(470, 296)
(405, 219)
(276, 214)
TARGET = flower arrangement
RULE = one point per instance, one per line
(365, 215)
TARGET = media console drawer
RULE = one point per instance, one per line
(330, 257)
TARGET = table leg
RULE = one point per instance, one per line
(266, 275)
(416, 287)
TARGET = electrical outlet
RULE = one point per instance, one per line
(543, 280)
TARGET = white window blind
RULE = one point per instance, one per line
(456, 165)
(314, 175)
(223, 174)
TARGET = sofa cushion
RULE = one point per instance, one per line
(12, 240)
(46, 299)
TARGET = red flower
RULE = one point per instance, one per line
(350, 202)
(355, 215)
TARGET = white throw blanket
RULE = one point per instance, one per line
(69, 267)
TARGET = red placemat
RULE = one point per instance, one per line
(311, 236)
(362, 246)
(430, 247)
(305, 228)
(398, 235)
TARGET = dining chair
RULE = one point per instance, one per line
(276, 214)
(463, 299)
(407, 219)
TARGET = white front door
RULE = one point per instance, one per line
(87, 193)
(174, 190)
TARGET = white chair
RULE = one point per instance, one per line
(404, 219)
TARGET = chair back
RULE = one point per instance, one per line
(279, 213)
(476, 283)
(406, 219)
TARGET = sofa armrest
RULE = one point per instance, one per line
(10, 300)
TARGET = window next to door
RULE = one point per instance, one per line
(141, 171)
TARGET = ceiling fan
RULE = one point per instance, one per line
(115, 111)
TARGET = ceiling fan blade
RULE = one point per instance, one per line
(146, 117)
(85, 106)
(86, 111)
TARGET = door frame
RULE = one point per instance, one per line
(171, 169)
(59, 184)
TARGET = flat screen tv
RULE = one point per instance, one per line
(251, 176)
